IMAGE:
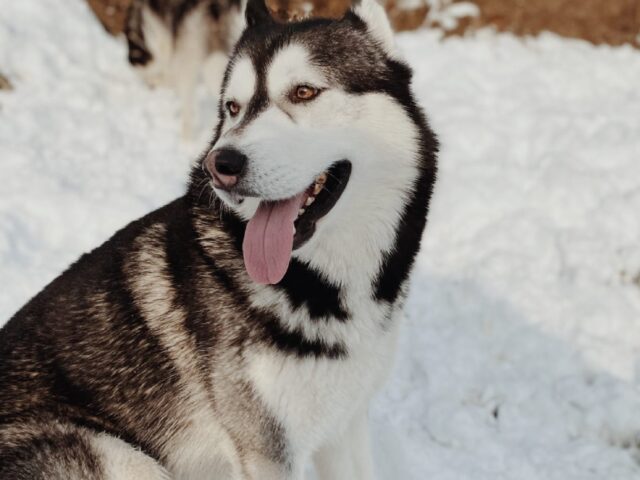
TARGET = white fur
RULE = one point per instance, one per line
(242, 86)
(120, 461)
(290, 67)
(159, 42)
(204, 450)
(317, 397)
(375, 16)
(348, 455)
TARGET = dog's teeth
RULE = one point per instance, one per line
(301, 211)
(309, 201)
(317, 188)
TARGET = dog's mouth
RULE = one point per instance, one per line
(279, 227)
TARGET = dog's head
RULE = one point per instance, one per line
(318, 133)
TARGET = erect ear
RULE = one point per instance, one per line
(257, 13)
(375, 16)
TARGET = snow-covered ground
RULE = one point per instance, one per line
(521, 353)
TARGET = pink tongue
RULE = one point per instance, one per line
(268, 240)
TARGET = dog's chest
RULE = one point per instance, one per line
(315, 397)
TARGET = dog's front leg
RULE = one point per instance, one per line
(347, 457)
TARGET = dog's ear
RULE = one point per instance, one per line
(257, 13)
(375, 16)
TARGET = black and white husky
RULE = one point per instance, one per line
(172, 43)
(240, 331)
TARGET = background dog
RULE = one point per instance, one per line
(172, 42)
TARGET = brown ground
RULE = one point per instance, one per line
(5, 84)
(111, 13)
(599, 21)
(287, 10)
(403, 19)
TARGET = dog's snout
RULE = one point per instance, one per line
(225, 166)
(230, 162)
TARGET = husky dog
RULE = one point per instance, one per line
(171, 42)
(240, 331)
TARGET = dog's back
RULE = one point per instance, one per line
(78, 359)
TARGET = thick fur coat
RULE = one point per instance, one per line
(157, 356)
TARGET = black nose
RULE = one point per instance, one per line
(230, 161)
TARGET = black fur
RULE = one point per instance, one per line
(306, 287)
(41, 456)
(256, 13)
(397, 265)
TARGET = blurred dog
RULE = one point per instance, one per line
(173, 42)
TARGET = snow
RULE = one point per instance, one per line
(520, 357)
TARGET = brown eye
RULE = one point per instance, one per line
(233, 108)
(304, 93)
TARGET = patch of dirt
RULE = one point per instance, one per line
(402, 18)
(614, 22)
(5, 84)
(293, 10)
(111, 13)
